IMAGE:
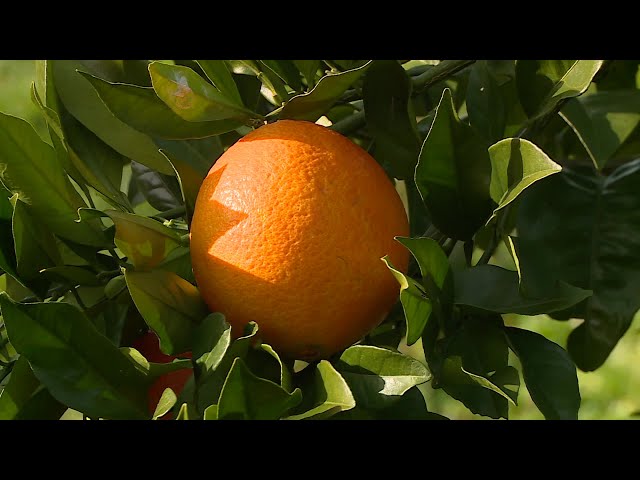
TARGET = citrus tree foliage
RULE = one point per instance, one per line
(534, 156)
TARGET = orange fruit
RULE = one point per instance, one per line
(288, 230)
(149, 346)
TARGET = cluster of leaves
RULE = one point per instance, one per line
(94, 241)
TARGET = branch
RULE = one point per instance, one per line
(444, 69)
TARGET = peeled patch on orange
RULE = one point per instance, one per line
(289, 229)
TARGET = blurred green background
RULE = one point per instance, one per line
(611, 392)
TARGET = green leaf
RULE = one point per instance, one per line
(186, 412)
(496, 382)
(377, 376)
(21, 393)
(140, 108)
(83, 102)
(308, 68)
(29, 167)
(481, 345)
(160, 190)
(265, 362)
(211, 340)
(312, 105)
(166, 403)
(582, 228)
(98, 164)
(72, 275)
(80, 367)
(170, 305)
(453, 174)
(501, 292)
(417, 307)
(485, 104)
(515, 165)
(390, 120)
(247, 397)
(145, 242)
(286, 70)
(211, 413)
(192, 97)
(548, 372)
(153, 370)
(324, 393)
(543, 83)
(220, 75)
(431, 258)
(603, 121)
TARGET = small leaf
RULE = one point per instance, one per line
(324, 393)
(390, 120)
(377, 376)
(603, 121)
(211, 412)
(417, 307)
(543, 83)
(166, 403)
(247, 397)
(485, 103)
(453, 174)
(80, 367)
(170, 305)
(515, 165)
(431, 258)
(191, 97)
(501, 292)
(140, 108)
(186, 412)
(211, 339)
(312, 105)
(548, 372)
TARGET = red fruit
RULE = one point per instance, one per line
(149, 346)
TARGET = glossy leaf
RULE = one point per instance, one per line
(431, 258)
(170, 305)
(83, 102)
(153, 370)
(29, 167)
(410, 406)
(166, 403)
(501, 292)
(549, 373)
(390, 119)
(453, 174)
(603, 121)
(220, 75)
(515, 165)
(211, 339)
(377, 376)
(543, 83)
(583, 229)
(247, 397)
(417, 307)
(265, 362)
(324, 393)
(191, 97)
(145, 242)
(142, 109)
(80, 367)
(485, 104)
(312, 105)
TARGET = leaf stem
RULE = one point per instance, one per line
(439, 72)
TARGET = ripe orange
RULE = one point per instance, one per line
(149, 346)
(288, 231)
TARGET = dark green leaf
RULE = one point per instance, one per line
(324, 393)
(286, 70)
(390, 120)
(515, 165)
(603, 121)
(72, 275)
(543, 83)
(140, 108)
(548, 372)
(501, 292)
(83, 102)
(247, 397)
(453, 174)
(170, 305)
(160, 190)
(485, 103)
(220, 75)
(312, 105)
(20, 388)
(582, 228)
(308, 68)
(80, 367)
(192, 97)
(29, 167)
(377, 376)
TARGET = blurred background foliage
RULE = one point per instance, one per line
(611, 392)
